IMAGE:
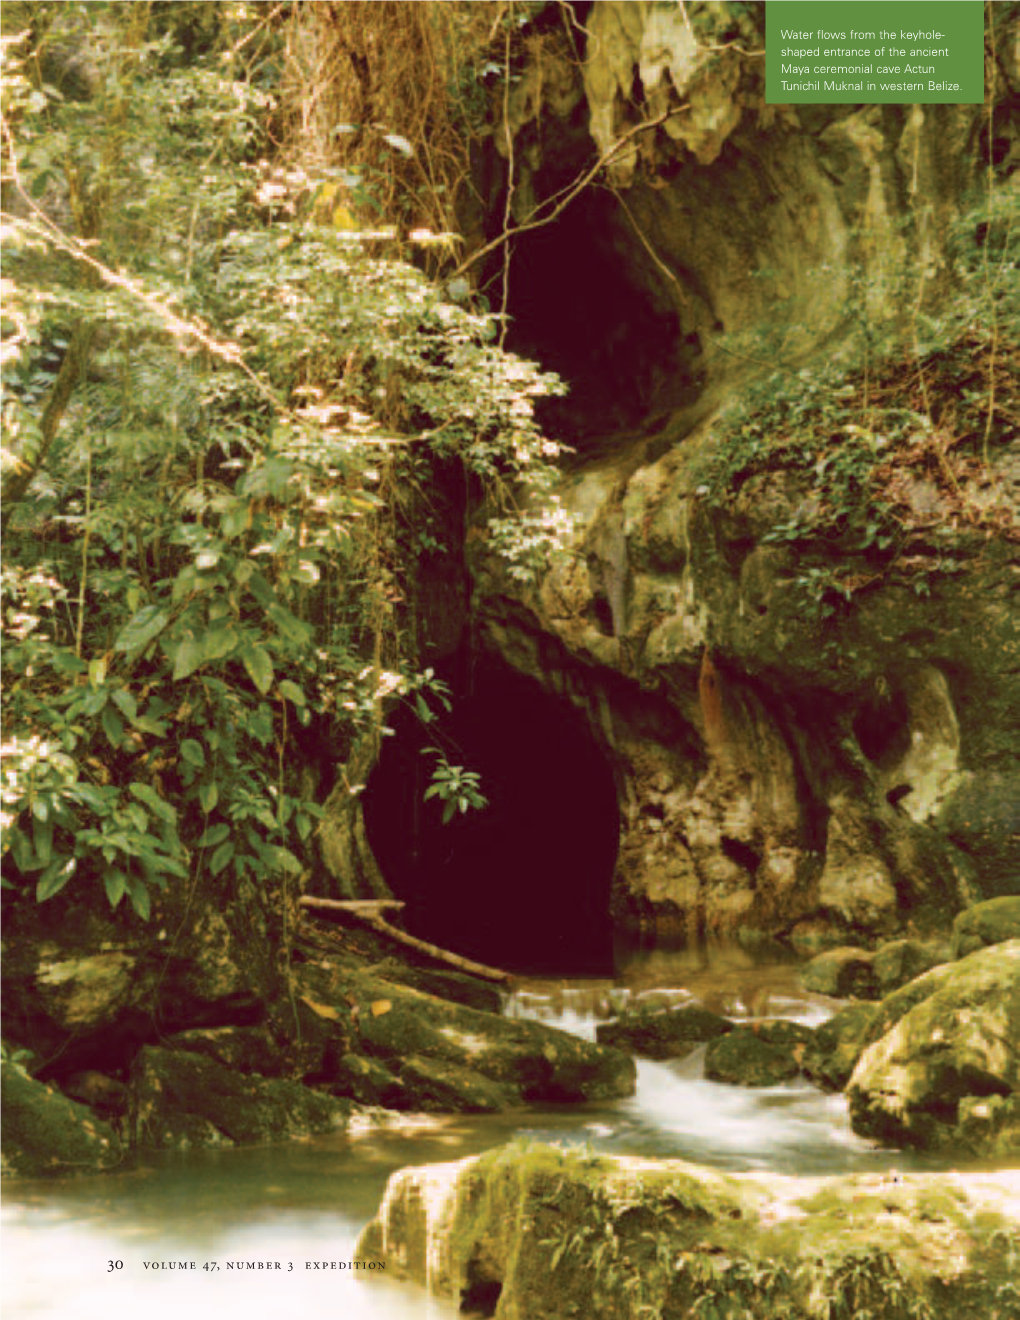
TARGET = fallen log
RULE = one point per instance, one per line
(368, 912)
(354, 905)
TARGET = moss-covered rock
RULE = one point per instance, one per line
(960, 1042)
(182, 1100)
(533, 1233)
(245, 1049)
(837, 1045)
(46, 1134)
(900, 961)
(761, 1055)
(669, 1034)
(437, 1085)
(369, 1083)
(528, 1060)
(986, 923)
(456, 986)
(843, 973)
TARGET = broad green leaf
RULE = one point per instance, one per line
(292, 692)
(140, 898)
(145, 724)
(94, 701)
(218, 643)
(214, 834)
(113, 726)
(259, 667)
(138, 817)
(126, 703)
(115, 882)
(188, 657)
(221, 857)
(293, 628)
(54, 878)
(145, 793)
(208, 795)
(66, 662)
(193, 752)
(24, 856)
(233, 522)
(284, 859)
(264, 593)
(97, 672)
(156, 863)
(148, 623)
(100, 800)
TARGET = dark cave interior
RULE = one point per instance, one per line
(524, 882)
(581, 303)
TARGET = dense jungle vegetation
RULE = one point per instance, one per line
(242, 371)
(230, 383)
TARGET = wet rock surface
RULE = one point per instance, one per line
(663, 1034)
(945, 1070)
(182, 1100)
(526, 1228)
(760, 1055)
(842, 973)
(838, 1043)
(46, 1134)
(991, 922)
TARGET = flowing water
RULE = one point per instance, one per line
(102, 1248)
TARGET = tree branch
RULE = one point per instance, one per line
(561, 200)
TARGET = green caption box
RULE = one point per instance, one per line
(888, 52)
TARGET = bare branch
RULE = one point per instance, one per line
(561, 200)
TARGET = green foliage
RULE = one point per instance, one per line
(917, 386)
(223, 406)
(458, 789)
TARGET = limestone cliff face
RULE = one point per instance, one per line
(778, 762)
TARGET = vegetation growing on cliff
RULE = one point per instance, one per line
(227, 400)
(901, 428)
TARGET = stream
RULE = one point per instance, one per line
(87, 1248)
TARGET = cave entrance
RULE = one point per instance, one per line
(523, 883)
(585, 301)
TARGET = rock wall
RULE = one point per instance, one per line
(781, 766)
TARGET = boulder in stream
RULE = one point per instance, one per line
(841, 973)
(837, 1045)
(900, 961)
(666, 1034)
(535, 1232)
(987, 923)
(946, 1073)
(527, 1061)
(764, 1054)
(46, 1134)
(182, 1100)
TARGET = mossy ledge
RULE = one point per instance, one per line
(531, 1232)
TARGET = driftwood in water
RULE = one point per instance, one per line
(368, 911)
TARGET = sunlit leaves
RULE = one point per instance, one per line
(259, 666)
(224, 577)
(143, 628)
